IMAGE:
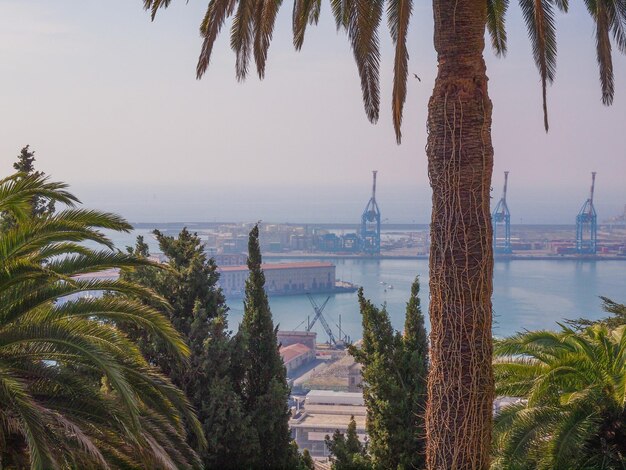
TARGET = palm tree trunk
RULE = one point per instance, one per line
(460, 160)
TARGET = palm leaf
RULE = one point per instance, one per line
(266, 11)
(242, 36)
(216, 14)
(539, 18)
(399, 14)
(304, 12)
(496, 16)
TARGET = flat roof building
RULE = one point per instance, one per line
(324, 412)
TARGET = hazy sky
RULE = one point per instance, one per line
(110, 103)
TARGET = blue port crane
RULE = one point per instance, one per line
(370, 224)
(587, 224)
(501, 221)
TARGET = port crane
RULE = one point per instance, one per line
(587, 224)
(501, 220)
(370, 223)
(319, 309)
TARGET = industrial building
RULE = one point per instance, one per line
(281, 278)
(322, 413)
(286, 338)
(295, 356)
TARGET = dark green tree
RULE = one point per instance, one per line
(26, 164)
(40, 205)
(307, 460)
(395, 369)
(198, 312)
(264, 387)
(347, 452)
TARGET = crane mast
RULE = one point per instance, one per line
(370, 223)
(587, 224)
(501, 223)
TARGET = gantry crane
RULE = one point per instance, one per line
(501, 221)
(587, 224)
(370, 224)
(318, 314)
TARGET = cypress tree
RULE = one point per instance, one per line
(413, 366)
(210, 378)
(264, 387)
(394, 376)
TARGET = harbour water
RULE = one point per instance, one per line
(528, 294)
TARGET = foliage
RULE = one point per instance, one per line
(573, 414)
(264, 387)
(253, 25)
(460, 157)
(347, 452)
(395, 368)
(210, 376)
(616, 319)
(40, 206)
(75, 392)
(307, 460)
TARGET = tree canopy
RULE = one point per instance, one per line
(395, 369)
(75, 392)
(572, 413)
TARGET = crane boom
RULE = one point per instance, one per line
(506, 180)
(593, 185)
(318, 314)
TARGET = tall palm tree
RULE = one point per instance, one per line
(574, 411)
(460, 160)
(74, 391)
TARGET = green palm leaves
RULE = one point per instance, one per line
(74, 391)
(609, 17)
(253, 25)
(574, 387)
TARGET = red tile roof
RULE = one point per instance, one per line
(288, 353)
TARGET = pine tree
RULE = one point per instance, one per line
(394, 375)
(264, 387)
(199, 313)
(41, 206)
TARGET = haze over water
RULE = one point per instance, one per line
(528, 294)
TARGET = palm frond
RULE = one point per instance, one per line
(17, 191)
(305, 12)
(540, 22)
(342, 11)
(399, 14)
(496, 19)
(603, 51)
(153, 6)
(55, 348)
(242, 36)
(216, 14)
(266, 11)
(362, 26)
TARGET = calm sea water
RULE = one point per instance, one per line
(528, 294)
